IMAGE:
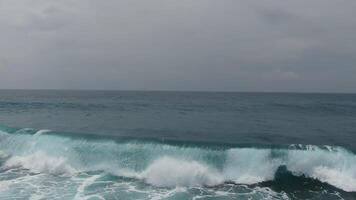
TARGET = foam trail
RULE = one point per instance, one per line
(81, 189)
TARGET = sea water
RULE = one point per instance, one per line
(176, 145)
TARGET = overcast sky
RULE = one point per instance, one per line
(218, 45)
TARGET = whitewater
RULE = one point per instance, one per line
(36, 162)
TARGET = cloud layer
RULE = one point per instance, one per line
(179, 45)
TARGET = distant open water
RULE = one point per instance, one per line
(176, 145)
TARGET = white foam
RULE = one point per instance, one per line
(249, 166)
(3, 154)
(170, 172)
(4, 185)
(40, 162)
(337, 178)
(336, 167)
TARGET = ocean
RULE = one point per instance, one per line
(57, 144)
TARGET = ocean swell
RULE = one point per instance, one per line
(165, 165)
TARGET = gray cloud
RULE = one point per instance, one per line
(178, 45)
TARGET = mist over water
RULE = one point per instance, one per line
(176, 145)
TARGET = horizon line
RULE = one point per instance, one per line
(159, 90)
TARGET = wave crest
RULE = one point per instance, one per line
(166, 165)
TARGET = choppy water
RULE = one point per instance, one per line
(176, 145)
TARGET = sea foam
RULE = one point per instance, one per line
(168, 172)
(166, 165)
(39, 162)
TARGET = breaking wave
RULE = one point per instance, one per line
(170, 165)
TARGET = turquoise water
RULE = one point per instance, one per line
(176, 145)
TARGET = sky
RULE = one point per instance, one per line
(208, 45)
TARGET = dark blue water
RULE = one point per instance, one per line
(176, 145)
